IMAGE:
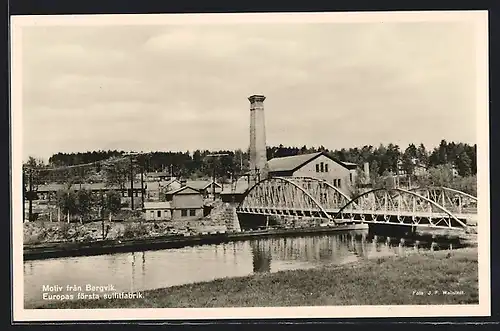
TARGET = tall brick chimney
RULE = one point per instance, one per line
(258, 155)
(366, 170)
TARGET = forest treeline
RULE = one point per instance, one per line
(383, 159)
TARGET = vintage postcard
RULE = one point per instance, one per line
(217, 166)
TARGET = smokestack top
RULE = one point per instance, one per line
(256, 98)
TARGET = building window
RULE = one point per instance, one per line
(152, 214)
(339, 182)
(192, 212)
(184, 212)
(326, 167)
(322, 167)
(335, 182)
(317, 167)
(159, 213)
(350, 177)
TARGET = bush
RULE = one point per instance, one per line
(135, 230)
(64, 231)
(130, 215)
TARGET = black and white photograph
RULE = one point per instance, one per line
(265, 165)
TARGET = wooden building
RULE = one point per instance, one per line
(205, 187)
(186, 203)
(157, 211)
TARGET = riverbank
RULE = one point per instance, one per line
(439, 277)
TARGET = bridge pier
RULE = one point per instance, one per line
(391, 229)
(252, 221)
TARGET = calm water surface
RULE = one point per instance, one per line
(154, 269)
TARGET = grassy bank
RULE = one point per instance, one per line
(383, 281)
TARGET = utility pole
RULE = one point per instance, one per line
(131, 184)
(213, 180)
(213, 183)
(142, 185)
(30, 196)
(81, 177)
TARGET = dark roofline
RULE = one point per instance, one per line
(314, 158)
(209, 183)
(161, 173)
(182, 188)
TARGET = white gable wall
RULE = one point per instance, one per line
(335, 175)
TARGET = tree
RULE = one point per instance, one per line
(441, 175)
(472, 152)
(117, 173)
(393, 155)
(83, 204)
(67, 202)
(113, 203)
(464, 164)
(33, 176)
(408, 160)
(466, 184)
(109, 203)
(422, 155)
(359, 181)
(442, 152)
(374, 171)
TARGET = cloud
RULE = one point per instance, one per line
(186, 87)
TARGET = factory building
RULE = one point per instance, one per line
(318, 165)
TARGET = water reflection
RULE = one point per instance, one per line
(261, 257)
(162, 268)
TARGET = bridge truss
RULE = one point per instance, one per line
(308, 197)
(293, 196)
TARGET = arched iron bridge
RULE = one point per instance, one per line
(313, 198)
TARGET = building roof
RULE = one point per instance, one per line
(155, 186)
(137, 185)
(158, 174)
(200, 184)
(170, 181)
(292, 163)
(184, 190)
(157, 205)
(51, 187)
(87, 186)
(239, 187)
(349, 165)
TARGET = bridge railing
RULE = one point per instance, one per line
(319, 198)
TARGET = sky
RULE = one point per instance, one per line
(185, 87)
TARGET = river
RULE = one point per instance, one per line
(163, 268)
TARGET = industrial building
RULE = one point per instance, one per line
(319, 165)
